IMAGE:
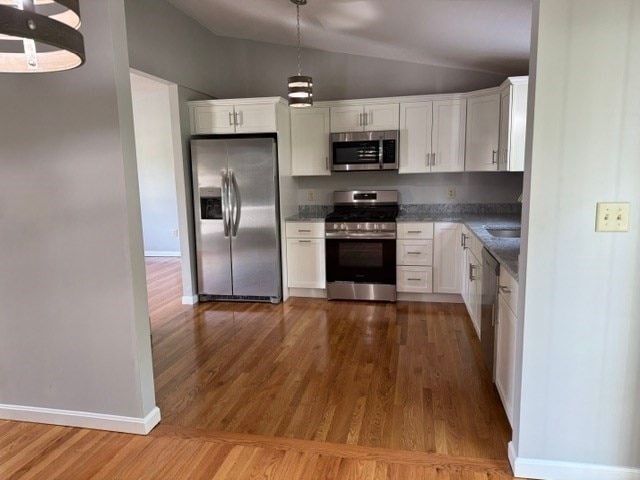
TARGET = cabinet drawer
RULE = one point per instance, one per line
(414, 279)
(410, 230)
(305, 229)
(509, 289)
(414, 252)
(306, 263)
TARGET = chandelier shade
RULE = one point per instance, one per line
(299, 87)
(39, 36)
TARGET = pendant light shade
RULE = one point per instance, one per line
(40, 36)
(300, 87)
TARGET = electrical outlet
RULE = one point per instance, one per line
(612, 217)
(451, 192)
(174, 232)
(311, 195)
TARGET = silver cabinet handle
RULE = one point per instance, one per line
(472, 267)
(369, 118)
(463, 241)
(360, 120)
(504, 289)
(494, 153)
(225, 202)
(304, 241)
(433, 159)
(414, 253)
(414, 231)
(304, 231)
(230, 118)
(427, 159)
(326, 162)
(237, 115)
(236, 205)
(414, 279)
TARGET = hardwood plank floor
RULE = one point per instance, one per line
(400, 376)
(35, 451)
(305, 390)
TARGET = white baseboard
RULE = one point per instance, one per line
(556, 470)
(430, 297)
(190, 300)
(308, 292)
(70, 418)
(161, 254)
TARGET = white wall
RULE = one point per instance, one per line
(417, 188)
(579, 416)
(168, 44)
(74, 328)
(156, 176)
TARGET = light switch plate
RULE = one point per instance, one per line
(612, 217)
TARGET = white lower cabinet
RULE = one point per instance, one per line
(505, 361)
(471, 271)
(414, 279)
(447, 259)
(305, 255)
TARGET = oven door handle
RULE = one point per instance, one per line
(361, 236)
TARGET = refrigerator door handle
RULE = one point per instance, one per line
(225, 202)
(236, 205)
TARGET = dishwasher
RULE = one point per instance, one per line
(489, 310)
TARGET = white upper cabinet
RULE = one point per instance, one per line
(235, 116)
(447, 258)
(448, 135)
(255, 118)
(216, 118)
(513, 124)
(416, 122)
(367, 117)
(483, 129)
(310, 141)
(432, 136)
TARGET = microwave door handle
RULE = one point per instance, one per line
(381, 153)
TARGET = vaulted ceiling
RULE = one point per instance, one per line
(486, 35)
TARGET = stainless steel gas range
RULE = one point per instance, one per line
(361, 246)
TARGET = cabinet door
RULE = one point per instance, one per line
(446, 258)
(382, 117)
(306, 263)
(476, 318)
(448, 135)
(505, 355)
(505, 119)
(416, 122)
(349, 118)
(310, 141)
(213, 119)
(255, 118)
(483, 129)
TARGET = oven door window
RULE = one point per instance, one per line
(361, 261)
(356, 153)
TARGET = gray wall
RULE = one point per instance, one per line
(417, 188)
(225, 67)
(579, 414)
(154, 152)
(74, 328)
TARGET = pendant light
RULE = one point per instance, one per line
(300, 86)
(40, 36)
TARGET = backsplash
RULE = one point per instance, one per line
(429, 209)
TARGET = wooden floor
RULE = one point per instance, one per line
(310, 389)
(33, 451)
(401, 376)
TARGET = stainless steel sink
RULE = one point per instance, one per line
(504, 232)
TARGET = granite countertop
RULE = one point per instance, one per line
(305, 217)
(505, 250)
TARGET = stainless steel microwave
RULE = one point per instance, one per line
(357, 151)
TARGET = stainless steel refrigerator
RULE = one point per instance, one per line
(235, 181)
